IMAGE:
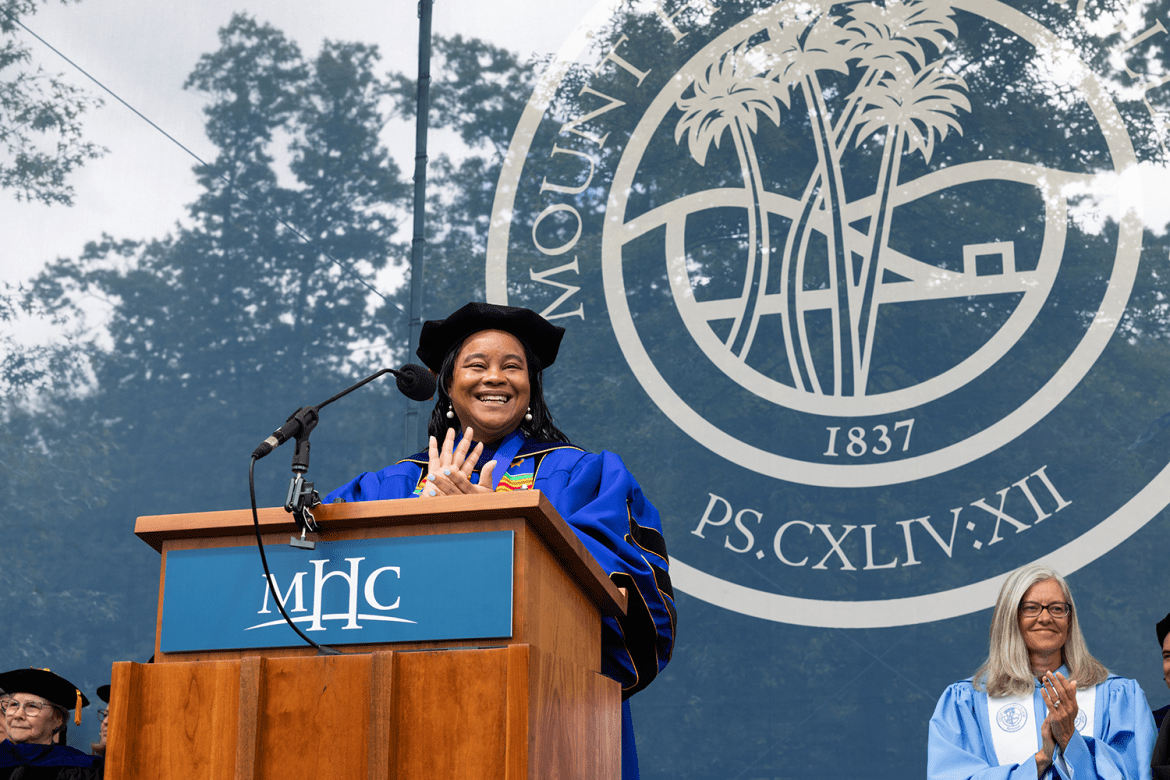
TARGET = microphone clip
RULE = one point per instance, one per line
(300, 501)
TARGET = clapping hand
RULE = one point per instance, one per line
(1061, 697)
(450, 469)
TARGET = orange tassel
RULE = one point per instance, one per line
(77, 709)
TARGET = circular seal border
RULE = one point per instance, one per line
(944, 459)
(1015, 708)
(913, 610)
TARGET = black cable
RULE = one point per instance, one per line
(262, 209)
(321, 649)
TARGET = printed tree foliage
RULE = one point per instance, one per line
(479, 91)
(41, 133)
(268, 294)
(222, 328)
(42, 142)
(266, 299)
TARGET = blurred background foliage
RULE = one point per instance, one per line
(273, 295)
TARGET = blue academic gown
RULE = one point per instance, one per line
(47, 761)
(599, 498)
(960, 743)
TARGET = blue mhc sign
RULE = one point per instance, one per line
(421, 588)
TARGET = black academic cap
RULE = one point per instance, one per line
(1163, 630)
(438, 336)
(103, 693)
(51, 687)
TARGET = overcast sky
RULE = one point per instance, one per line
(143, 50)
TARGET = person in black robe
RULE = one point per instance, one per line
(1164, 644)
(1160, 761)
(35, 712)
(3, 728)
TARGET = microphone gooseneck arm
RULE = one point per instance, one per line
(415, 382)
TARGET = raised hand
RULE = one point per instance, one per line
(450, 467)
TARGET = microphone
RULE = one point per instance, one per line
(297, 423)
(414, 381)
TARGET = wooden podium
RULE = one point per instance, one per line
(530, 705)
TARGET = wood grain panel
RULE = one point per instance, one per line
(554, 614)
(575, 725)
(514, 713)
(452, 714)
(517, 718)
(382, 750)
(120, 724)
(248, 717)
(314, 718)
(179, 723)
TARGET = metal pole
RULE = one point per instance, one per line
(412, 433)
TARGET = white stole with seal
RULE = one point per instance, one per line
(1014, 729)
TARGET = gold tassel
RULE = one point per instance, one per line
(77, 709)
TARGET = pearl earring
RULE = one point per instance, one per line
(528, 414)
(451, 412)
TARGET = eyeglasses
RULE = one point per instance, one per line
(12, 707)
(1058, 609)
(103, 714)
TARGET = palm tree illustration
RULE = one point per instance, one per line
(899, 98)
(883, 39)
(729, 95)
(911, 109)
(796, 52)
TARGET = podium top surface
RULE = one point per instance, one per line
(333, 519)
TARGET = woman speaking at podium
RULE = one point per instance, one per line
(490, 431)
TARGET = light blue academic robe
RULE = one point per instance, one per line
(603, 503)
(961, 744)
